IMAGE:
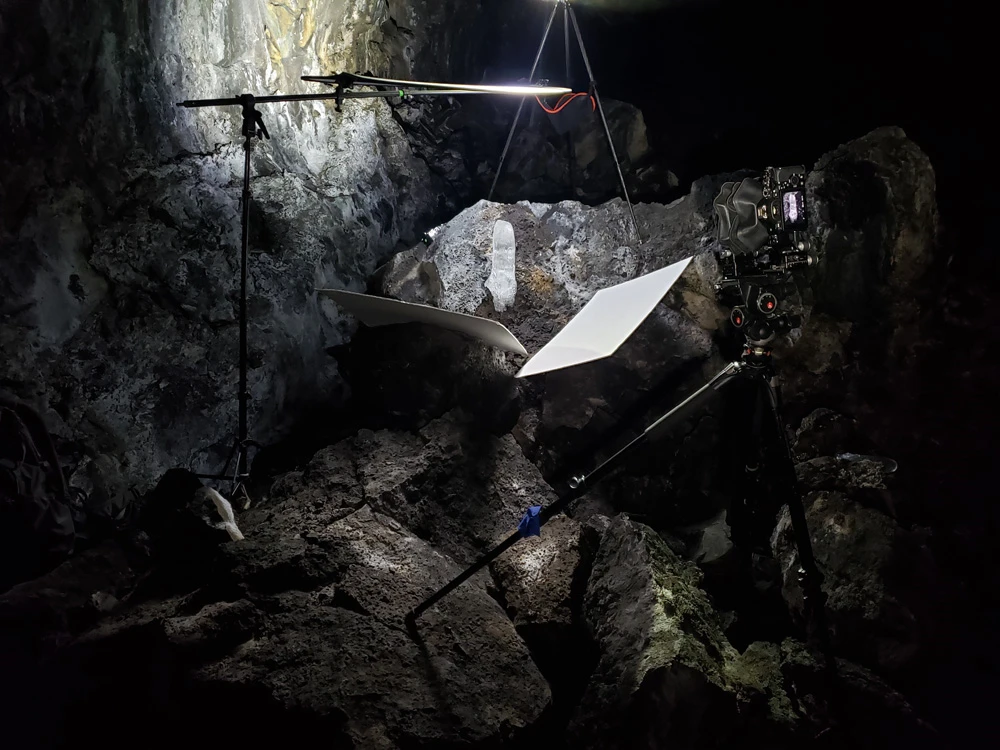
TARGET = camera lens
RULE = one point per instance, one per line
(767, 303)
(738, 317)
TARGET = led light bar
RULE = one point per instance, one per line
(349, 79)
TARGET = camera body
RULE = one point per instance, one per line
(768, 212)
(762, 231)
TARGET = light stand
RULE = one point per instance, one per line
(569, 16)
(253, 127)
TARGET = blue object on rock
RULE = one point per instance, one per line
(531, 524)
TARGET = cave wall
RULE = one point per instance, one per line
(119, 211)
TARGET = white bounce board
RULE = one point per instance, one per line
(382, 311)
(605, 322)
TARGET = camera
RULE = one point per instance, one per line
(762, 233)
(765, 212)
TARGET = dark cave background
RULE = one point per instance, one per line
(836, 70)
(722, 83)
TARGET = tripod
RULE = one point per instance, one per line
(569, 17)
(253, 128)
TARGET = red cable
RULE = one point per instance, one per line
(564, 101)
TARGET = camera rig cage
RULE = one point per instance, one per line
(762, 232)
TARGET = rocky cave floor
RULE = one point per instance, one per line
(299, 627)
(632, 622)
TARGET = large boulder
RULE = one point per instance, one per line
(667, 676)
(542, 581)
(663, 675)
(467, 676)
(459, 488)
(874, 212)
(882, 584)
(302, 625)
(542, 578)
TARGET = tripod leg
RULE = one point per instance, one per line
(520, 107)
(604, 120)
(810, 578)
(570, 159)
(752, 505)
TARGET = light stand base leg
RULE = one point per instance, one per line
(604, 121)
(520, 107)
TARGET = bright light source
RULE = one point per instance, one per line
(350, 79)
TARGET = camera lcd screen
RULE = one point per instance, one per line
(793, 209)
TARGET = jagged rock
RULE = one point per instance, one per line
(824, 432)
(452, 484)
(541, 581)
(668, 676)
(304, 624)
(712, 542)
(792, 703)
(874, 212)
(663, 672)
(877, 214)
(882, 583)
(462, 491)
(542, 578)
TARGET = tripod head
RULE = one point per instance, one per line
(762, 231)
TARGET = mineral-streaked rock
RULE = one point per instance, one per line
(668, 677)
(663, 673)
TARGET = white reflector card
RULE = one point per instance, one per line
(605, 322)
(381, 311)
